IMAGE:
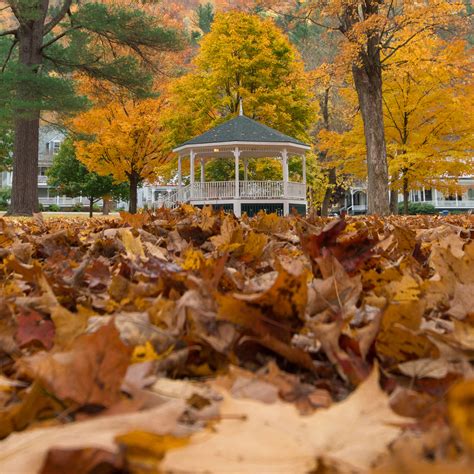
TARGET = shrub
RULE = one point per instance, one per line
(5, 195)
(96, 208)
(78, 207)
(415, 208)
(54, 208)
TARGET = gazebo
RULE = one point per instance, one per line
(240, 139)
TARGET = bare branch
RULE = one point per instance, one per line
(15, 11)
(59, 16)
(404, 43)
(58, 37)
(307, 17)
(9, 32)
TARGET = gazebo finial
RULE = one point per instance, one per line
(241, 107)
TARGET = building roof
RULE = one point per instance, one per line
(241, 129)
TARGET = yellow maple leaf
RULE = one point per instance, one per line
(132, 244)
(193, 260)
(461, 411)
(144, 353)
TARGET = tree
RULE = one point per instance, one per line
(370, 29)
(426, 96)
(71, 178)
(335, 116)
(49, 45)
(243, 57)
(123, 140)
(205, 17)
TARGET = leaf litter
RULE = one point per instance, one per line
(193, 341)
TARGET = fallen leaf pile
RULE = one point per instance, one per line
(193, 341)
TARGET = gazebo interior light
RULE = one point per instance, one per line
(216, 149)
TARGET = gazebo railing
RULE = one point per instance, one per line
(213, 190)
(296, 190)
(261, 189)
(220, 190)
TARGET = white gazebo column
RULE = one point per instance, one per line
(180, 172)
(202, 171)
(246, 169)
(237, 206)
(304, 168)
(192, 155)
(284, 162)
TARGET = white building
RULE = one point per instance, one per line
(356, 198)
(50, 139)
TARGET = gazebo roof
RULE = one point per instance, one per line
(241, 130)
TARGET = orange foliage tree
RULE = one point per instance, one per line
(426, 96)
(124, 140)
(371, 29)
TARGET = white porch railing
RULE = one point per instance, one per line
(63, 201)
(459, 204)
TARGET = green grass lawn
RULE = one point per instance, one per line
(82, 215)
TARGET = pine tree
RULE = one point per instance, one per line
(44, 47)
(205, 17)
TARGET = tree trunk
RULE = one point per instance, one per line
(91, 206)
(107, 201)
(405, 195)
(394, 201)
(324, 105)
(329, 192)
(25, 152)
(368, 83)
(133, 180)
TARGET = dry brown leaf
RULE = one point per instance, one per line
(90, 373)
(25, 452)
(250, 438)
(68, 325)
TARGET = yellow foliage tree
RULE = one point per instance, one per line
(370, 31)
(246, 57)
(427, 95)
(124, 140)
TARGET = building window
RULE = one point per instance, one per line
(453, 197)
(53, 147)
(42, 171)
(470, 194)
(428, 195)
(359, 199)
